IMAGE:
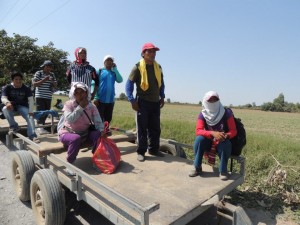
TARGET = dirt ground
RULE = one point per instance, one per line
(15, 212)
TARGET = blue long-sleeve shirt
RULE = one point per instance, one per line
(107, 79)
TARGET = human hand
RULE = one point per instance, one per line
(162, 102)
(220, 136)
(135, 106)
(47, 78)
(83, 102)
(9, 106)
(103, 134)
(96, 102)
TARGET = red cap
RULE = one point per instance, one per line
(149, 46)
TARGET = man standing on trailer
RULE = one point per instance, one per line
(148, 76)
(44, 81)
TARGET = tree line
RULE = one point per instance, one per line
(21, 53)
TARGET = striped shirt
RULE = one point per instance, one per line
(45, 90)
(82, 73)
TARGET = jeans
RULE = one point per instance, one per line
(203, 144)
(23, 111)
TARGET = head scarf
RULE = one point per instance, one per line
(81, 85)
(77, 51)
(212, 112)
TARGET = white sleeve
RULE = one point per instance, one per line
(4, 100)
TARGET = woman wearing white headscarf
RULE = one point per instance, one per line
(81, 122)
(215, 126)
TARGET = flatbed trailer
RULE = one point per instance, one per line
(156, 191)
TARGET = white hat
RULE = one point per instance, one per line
(108, 57)
(81, 86)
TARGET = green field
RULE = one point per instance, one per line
(273, 144)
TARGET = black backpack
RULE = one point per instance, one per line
(239, 141)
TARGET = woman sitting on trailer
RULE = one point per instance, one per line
(80, 122)
(211, 137)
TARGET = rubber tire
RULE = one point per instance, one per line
(47, 198)
(171, 149)
(22, 168)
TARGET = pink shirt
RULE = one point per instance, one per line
(76, 120)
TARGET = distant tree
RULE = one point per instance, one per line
(122, 96)
(168, 100)
(253, 104)
(22, 54)
(279, 100)
(200, 103)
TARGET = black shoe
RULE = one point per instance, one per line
(195, 172)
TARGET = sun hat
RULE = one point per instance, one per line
(47, 63)
(108, 57)
(149, 46)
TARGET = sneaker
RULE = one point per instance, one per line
(70, 172)
(36, 140)
(224, 176)
(41, 131)
(14, 129)
(141, 157)
(195, 172)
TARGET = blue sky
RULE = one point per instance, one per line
(247, 51)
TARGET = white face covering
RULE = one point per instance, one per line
(212, 112)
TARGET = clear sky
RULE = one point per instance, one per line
(248, 51)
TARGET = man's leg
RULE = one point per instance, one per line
(142, 125)
(42, 104)
(108, 112)
(9, 115)
(154, 127)
(23, 111)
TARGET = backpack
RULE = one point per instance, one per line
(239, 141)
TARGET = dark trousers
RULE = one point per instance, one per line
(148, 125)
(106, 111)
(42, 104)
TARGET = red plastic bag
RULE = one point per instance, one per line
(107, 155)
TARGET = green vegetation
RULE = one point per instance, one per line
(273, 145)
(21, 53)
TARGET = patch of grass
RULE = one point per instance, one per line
(272, 138)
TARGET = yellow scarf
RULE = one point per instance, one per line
(144, 76)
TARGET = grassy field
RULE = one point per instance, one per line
(273, 144)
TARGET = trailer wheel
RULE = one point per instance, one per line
(171, 149)
(22, 171)
(47, 198)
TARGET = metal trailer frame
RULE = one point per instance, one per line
(75, 184)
